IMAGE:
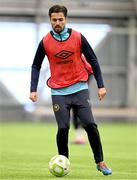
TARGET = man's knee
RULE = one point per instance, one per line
(91, 127)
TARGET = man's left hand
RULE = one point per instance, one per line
(101, 93)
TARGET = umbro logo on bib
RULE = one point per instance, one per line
(64, 54)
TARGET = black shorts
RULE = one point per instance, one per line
(79, 101)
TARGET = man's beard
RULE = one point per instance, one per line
(58, 29)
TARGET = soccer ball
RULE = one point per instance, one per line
(59, 165)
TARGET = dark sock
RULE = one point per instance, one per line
(95, 142)
(62, 141)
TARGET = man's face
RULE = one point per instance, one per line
(58, 21)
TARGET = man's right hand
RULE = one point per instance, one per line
(33, 96)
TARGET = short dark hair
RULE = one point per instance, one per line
(57, 9)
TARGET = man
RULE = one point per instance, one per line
(68, 82)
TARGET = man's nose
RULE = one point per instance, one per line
(57, 22)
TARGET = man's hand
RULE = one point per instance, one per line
(101, 93)
(33, 96)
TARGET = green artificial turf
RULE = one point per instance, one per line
(25, 149)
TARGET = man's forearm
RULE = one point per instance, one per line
(34, 79)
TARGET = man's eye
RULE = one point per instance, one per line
(55, 20)
(60, 19)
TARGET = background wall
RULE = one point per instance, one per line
(110, 27)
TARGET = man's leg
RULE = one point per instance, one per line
(95, 142)
(62, 115)
(85, 114)
(62, 141)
